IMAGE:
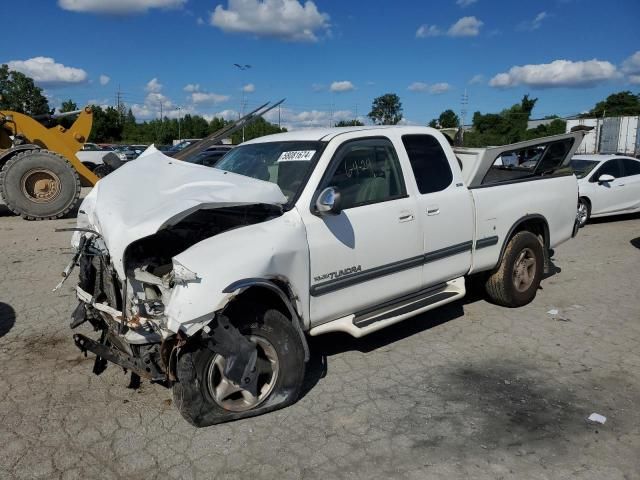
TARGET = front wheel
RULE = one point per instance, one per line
(204, 396)
(584, 212)
(517, 278)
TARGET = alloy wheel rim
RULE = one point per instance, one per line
(582, 213)
(234, 398)
(524, 270)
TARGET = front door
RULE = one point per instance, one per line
(372, 250)
(609, 196)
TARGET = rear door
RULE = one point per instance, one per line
(630, 183)
(372, 250)
(445, 209)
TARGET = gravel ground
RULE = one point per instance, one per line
(471, 390)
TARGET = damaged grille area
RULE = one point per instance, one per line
(129, 313)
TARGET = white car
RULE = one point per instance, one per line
(608, 184)
(211, 279)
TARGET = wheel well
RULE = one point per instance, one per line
(535, 224)
(262, 296)
(587, 200)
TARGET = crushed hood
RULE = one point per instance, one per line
(155, 191)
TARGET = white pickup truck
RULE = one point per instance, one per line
(209, 279)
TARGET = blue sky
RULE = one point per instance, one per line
(327, 56)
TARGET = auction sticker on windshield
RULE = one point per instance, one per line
(296, 156)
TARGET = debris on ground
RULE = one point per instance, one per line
(597, 418)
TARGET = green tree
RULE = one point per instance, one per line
(556, 127)
(508, 126)
(617, 105)
(447, 119)
(19, 93)
(106, 125)
(386, 110)
(349, 123)
(67, 106)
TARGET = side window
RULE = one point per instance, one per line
(367, 171)
(429, 163)
(611, 167)
(631, 167)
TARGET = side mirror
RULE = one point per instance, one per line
(328, 202)
(606, 178)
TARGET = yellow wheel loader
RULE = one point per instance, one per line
(40, 174)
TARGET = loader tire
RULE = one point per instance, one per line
(39, 185)
(516, 280)
(203, 399)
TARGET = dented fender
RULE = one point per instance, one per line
(275, 249)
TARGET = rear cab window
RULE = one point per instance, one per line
(429, 163)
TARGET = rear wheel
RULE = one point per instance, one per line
(204, 396)
(516, 281)
(39, 184)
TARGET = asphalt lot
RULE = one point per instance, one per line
(469, 391)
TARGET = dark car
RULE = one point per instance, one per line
(210, 156)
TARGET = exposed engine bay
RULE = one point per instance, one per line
(130, 313)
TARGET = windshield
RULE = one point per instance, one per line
(582, 167)
(284, 163)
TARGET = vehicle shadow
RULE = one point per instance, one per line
(330, 344)
(615, 218)
(5, 212)
(7, 318)
(635, 242)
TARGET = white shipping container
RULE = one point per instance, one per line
(627, 139)
(609, 135)
(590, 142)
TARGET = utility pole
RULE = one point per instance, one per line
(279, 127)
(464, 101)
(119, 104)
(179, 121)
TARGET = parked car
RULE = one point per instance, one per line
(609, 185)
(222, 273)
(100, 160)
(210, 156)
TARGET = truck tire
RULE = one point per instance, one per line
(39, 185)
(203, 395)
(517, 278)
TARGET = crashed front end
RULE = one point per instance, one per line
(130, 280)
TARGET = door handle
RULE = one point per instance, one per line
(408, 217)
(433, 210)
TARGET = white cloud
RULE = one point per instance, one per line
(318, 87)
(204, 97)
(118, 7)
(438, 88)
(535, 23)
(343, 86)
(104, 79)
(559, 73)
(418, 87)
(192, 87)
(632, 64)
(476, 79)
(153, 86)
(435, 89)
(200, 21)
(465, 27)
(465, 3)
(428, 31)
(46, 71)
(284, 19)
(292, 120)
(249, 88)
